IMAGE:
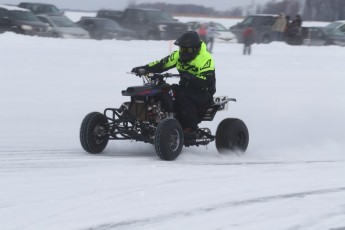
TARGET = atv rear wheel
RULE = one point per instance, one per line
(168, 139)
(232, 135)
(93, 132)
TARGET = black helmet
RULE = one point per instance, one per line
(189, 44)
(189, 39)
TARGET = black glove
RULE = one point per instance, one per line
(165, 86)
(140, 70)
(175, 87)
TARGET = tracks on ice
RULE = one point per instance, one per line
(214, 208)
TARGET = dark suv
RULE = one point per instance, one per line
(150, 24)
(21, 21)
(104, 28)
(41, 8)
(261, 24)
(111, 14)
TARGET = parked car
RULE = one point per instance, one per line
(111, 14)
(21, 21)
(149, 24)
(311, 36)
(338, 37)
(41, 8)
(315, 36)
(224, 35)
(337, 25)
(261, 24)
(336, 30)
(63, 27)
(103, 28)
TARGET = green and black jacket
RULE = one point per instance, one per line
(198, 73)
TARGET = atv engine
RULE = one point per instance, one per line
(146, 111)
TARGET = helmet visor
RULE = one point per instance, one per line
(187, 50)
(188, 54)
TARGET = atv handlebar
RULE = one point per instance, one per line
(161, 75)
(154, 78)
(143, 72)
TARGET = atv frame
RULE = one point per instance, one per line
(145, 118)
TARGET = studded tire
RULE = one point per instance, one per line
(232, 136)
(94, 132)
(168, 139)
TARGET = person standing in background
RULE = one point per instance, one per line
(212, 33)
(279, 27)
(202, 31)
(297, 21)
(248, 40)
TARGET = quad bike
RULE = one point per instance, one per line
(146, 118)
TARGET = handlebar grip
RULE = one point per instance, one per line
(142, 72)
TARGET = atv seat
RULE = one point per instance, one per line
(208, 112)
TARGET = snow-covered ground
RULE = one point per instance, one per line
(292, 176)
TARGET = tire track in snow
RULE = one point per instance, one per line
(213, 208)
(21, 159)
(263, 162)
(40, 154)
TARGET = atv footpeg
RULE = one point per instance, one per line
(202, 136)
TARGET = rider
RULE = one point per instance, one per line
(197, 83)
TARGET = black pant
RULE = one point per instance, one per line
(187, 104)
(247, 49)
(210, 44)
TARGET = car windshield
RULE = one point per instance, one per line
(326, 30)
(22, 15)
(193, 25)
(159, 16)
(247, 21)
(220, 27)
(333, 25)
(45, 9)
(62, 22)
(108, 24)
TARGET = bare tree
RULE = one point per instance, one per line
(324, 10)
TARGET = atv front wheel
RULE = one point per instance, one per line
(93, 132)
(232, 135)
(168, 139)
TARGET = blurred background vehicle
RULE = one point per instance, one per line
(336, 30)
(63, 27)
(150, 24)
(41, 8)
(103, 28)
(21, 21)
(337, 36)
(224, 34)
(261, 24)
(111, 14)
(312, 36)
(337, 25)
(315, 36)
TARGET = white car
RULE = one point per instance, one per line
(224, 35)
(63, 27)
(337, 25)
(336, 31)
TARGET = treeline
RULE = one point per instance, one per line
(324, 10)
(317, 10)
